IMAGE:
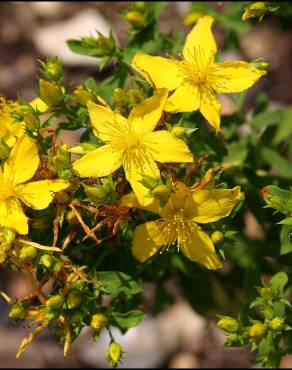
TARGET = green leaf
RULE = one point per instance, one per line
(279, 281)
(78, 47)
(286, 243)
(266, 119)
(284, 129)
(277, 162)
(117, 282)
(128, 319)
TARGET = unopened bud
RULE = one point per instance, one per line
(257, 331)
(17, 312)
(277, 324)
(74, 299)
(57, 266)
(98, 321)
(136, 96)
(50, 93)
(83, 95)
(27, 254)
(46, 260)
(178, 131)
(71, 218)
(217, 237)
(266, 293)
(55, 302)
(228, 324)
(257, 9)
(136, 19)
(115, 352)
(161, 192)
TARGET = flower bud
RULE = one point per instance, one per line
(257, 331)
(57, 266)
(63, 197)
(115, 352)
(71, 218)
(257, 9)
(277, 324)
(178, 131)
(106, 44)
(17, 312)
(119, 97)
(161, 192)
(46, 260)
(27, 254)
(136, 19)
(136, 96)
(98, 321)
(266, 293)
(74, 299)
(50, 93)
(217, 237)
(192, 19)
(55, 302)
(52, 68)
(82, 95)
(228, 324)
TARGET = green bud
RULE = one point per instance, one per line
(27, 253)
(95, 194)
(266, 293)
(136, 19)
(57, 266)
(277, 324)
(115, 353)
(82, 95)
(50, 93)
(178, 131)
(77, 284)
(52, 68)
(257, 331)
(74, 299)
(17, 312)
(228, 324)
(63, 197)
(161, 193)
(98, 321)
(46, 260)
(119, 97)
(71, 218)
(106, 44)
(55, 302)
(136, 96)
(217, 237)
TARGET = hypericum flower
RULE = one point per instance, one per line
(179, 222)
(131, 143)
(197, 77)
(10, 130)
(20, 167)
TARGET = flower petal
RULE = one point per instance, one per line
(23, 161)
(39, 104)
(186, 98)
(212, 205)
(165, 147)
(200, 45)
(12, 216)
(131, 200)
(233, 77)
(198, 247)
(148, 239)
(39, 194)
(99, 162)
(145, 115)
(105, 123)
(161, 72)
(136, 165)
(210, 107)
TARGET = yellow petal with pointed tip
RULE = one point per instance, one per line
(161, 72)
(210, 108)
(12, 216)
(148, 239)
(39, 194)
(104, 121)
(99, 162)
(145, 115)
(39, 104)
(165, 147)
(233, 77)
(186, 98)
(23, 161)
(198, 247)
(200, 45)
(212, 205)
(137, 164)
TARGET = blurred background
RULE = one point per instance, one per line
(177, 337)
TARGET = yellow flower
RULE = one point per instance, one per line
(20, 167)
(178, 222)
(10, 130)
(197, 77)
(132, 143)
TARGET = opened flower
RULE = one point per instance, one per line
(20, 167)
(132, 143)
(179, 223)
(197, 78)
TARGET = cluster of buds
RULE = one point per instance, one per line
(136, 15)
